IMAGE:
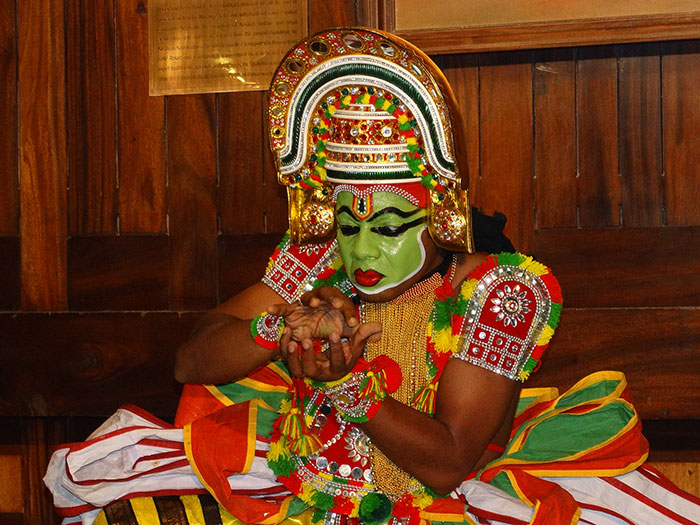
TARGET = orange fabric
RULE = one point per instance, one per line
(553, 505)
(222, 444)
(444, 509)
(196, 402)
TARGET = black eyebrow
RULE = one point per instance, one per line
(395, 211)
(388, 209)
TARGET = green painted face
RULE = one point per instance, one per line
(380, 240)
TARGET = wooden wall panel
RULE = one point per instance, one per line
(673, 439)
(9, 273)
(141, 153)
(649, 345)
(42, 140)
(681, 114)
(10, 483)
(192, 206)
(242, 261)
(245, 195)
(462, 72)
(92, 117)
(624, 268)
(598, 185)
(555, 138)
(93, 364)
(126, 272)
(641, 161)
(9, 185)
(40, 437)
(506, 179)
(324, 14)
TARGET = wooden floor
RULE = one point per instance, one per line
(685, 475)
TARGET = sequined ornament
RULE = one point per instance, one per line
(266, 330)
(371, 109)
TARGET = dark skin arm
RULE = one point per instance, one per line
(221, 348)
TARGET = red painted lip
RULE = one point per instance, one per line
(368, 278)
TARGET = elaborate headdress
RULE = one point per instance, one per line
(360, 110)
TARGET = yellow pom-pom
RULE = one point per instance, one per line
(411, 140)
(386, 105)
(332, 109)
(346, 100)
(422, 500)
(443, 340)
(547, 334)
(534, 266)
(306, 492)
(403, 119)
(468, 287)
(278, 449)
(285, 406)
(355, 512)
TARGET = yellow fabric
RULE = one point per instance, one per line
(193, 510)
(101, 519)
(145, 510)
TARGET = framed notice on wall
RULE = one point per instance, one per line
(204, 46)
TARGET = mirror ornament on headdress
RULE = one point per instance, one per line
(361, 108)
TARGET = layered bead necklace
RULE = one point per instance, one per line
(405, 322)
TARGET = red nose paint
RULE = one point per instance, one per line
(368, 278)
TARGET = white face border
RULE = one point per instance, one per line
(375, 291)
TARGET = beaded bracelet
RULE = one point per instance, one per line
(266, 330)
(358, 396)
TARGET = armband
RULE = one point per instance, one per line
(266, 330)
(358, 396)
(513, 308)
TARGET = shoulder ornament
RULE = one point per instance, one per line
(292, 269)
(513, 307)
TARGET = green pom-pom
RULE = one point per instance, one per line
(375, 509)
(319, 516)
(511, 259)
(442, 315)
(284, 240)
(322, 500)
(282, 466)
(530, 366)
(460, 305)
(554, 314)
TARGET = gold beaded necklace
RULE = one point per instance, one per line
(404, 327)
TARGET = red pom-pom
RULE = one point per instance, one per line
(444, 290)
